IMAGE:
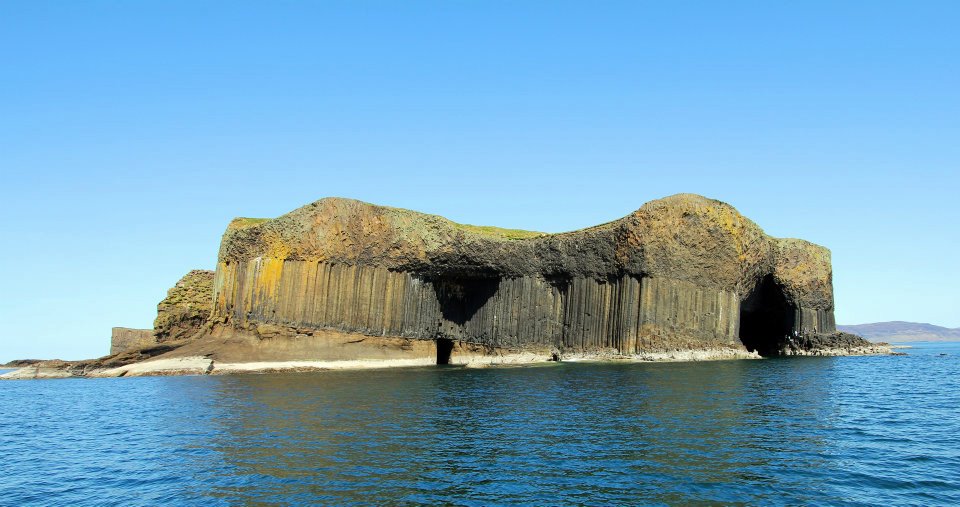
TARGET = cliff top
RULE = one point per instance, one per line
(488, 231)
(684, 236)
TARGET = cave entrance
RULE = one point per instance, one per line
(444, 350)
(766, 318)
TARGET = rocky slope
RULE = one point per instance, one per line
(186, 308)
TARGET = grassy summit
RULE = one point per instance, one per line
(499, 232)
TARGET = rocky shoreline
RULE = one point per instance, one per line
(165, 365)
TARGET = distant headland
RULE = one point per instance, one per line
(903, 332)
(341, 283)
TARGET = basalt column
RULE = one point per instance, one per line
(626, 315)
(680, 273)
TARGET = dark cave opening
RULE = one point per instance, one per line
(766, 318)
(444, 350)
(460, 298)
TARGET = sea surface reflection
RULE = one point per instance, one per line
(839, 431)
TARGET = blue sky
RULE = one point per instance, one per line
(132, 132)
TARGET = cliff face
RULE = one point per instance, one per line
(123, 339)
(684, 272)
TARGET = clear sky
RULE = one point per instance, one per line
(132, 132)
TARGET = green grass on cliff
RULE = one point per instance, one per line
(499, 232)
(244, 222)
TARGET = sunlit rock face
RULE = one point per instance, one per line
(681, 273)
(186, 309)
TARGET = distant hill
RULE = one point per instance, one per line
(899, 331)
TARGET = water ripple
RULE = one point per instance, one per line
(829, 431)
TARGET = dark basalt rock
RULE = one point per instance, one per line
(684, 272)
(831, 344)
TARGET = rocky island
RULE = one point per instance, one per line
(340, 283)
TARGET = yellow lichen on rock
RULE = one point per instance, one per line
(244, 222)
(804, 270)
(269, 270)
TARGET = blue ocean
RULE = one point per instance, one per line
(792, 431)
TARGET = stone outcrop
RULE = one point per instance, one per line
(186, 308)
(123, 339)
(834, 344)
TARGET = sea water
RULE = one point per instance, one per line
(830, 431)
